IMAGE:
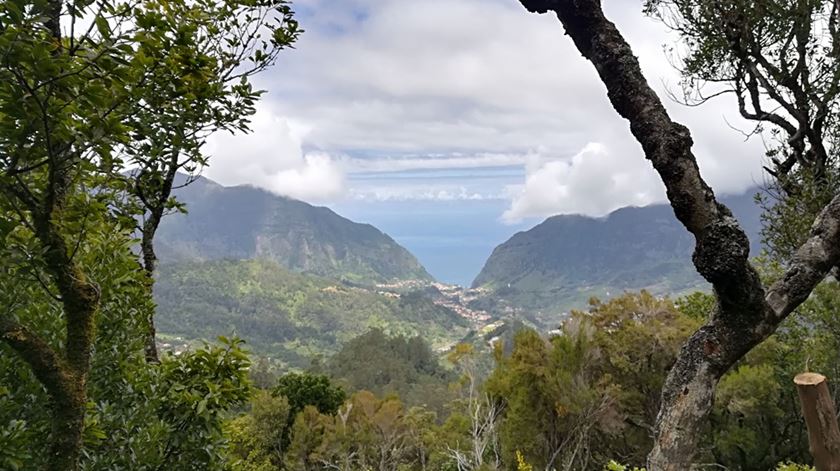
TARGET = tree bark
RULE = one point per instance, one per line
(81, 302)
(745, 314)
(821, 419)
(68, 426)
(147, 248)
(64, 372)
(64, 376)
(154, 200)
(67, 398)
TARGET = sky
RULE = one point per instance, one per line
(452, 124)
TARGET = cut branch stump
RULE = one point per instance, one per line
(821, 419)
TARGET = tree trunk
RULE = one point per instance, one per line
(63, 372)
(149, 265)
(821, 419)
(746, 314)
(154, 199)
(64, 376)
(68, 425)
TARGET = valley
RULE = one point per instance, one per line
(298, 281)
(292, 317)
(310, 235)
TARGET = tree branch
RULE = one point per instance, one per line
(755, 102)
(810, 265)
(666, 144)
(744, 317)
(46, 364)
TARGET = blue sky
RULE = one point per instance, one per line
(451, 124)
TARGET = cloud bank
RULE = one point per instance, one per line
(579, 185)
(272, 157)
(385, 88)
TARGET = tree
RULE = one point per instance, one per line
(199, 85)
(554, 401)
(751, 429)
(638, 337)
(746, 312)
(106, 256)
(482, 413)
(366, 433)
(257, 437)
(384, 365)
(780, 61)
(262, 374)
(77, 82)
(302, 390)
(195, 392)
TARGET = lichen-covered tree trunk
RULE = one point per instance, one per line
(62, 371)
(68, 372)
(68, 426)
(746, 313)
(147, 248)
(63, 374)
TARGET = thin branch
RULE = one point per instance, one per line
(701, 99)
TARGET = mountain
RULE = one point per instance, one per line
(243, 222)
(291, 317)
(567, 259)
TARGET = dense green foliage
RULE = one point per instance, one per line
(256, 438)
(88, 89)
(302, 424)
(290, 317)
(274, 434)
(592, 393)
(787, 218)
(301, 390)
(405, 366)
(572, 401)
(139, 417)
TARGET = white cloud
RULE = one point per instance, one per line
(444, 84)
(599, 179)
(317, 179)
(438, 75)
(420, 193)
(433, 162)
(272, 157)
(594, 182)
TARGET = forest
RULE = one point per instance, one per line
(106, 107)
(585, 398)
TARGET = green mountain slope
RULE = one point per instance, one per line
(565, 260)
(288, 316)
(243, 222)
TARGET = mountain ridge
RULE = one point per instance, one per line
(245, 222)
(566, 259)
